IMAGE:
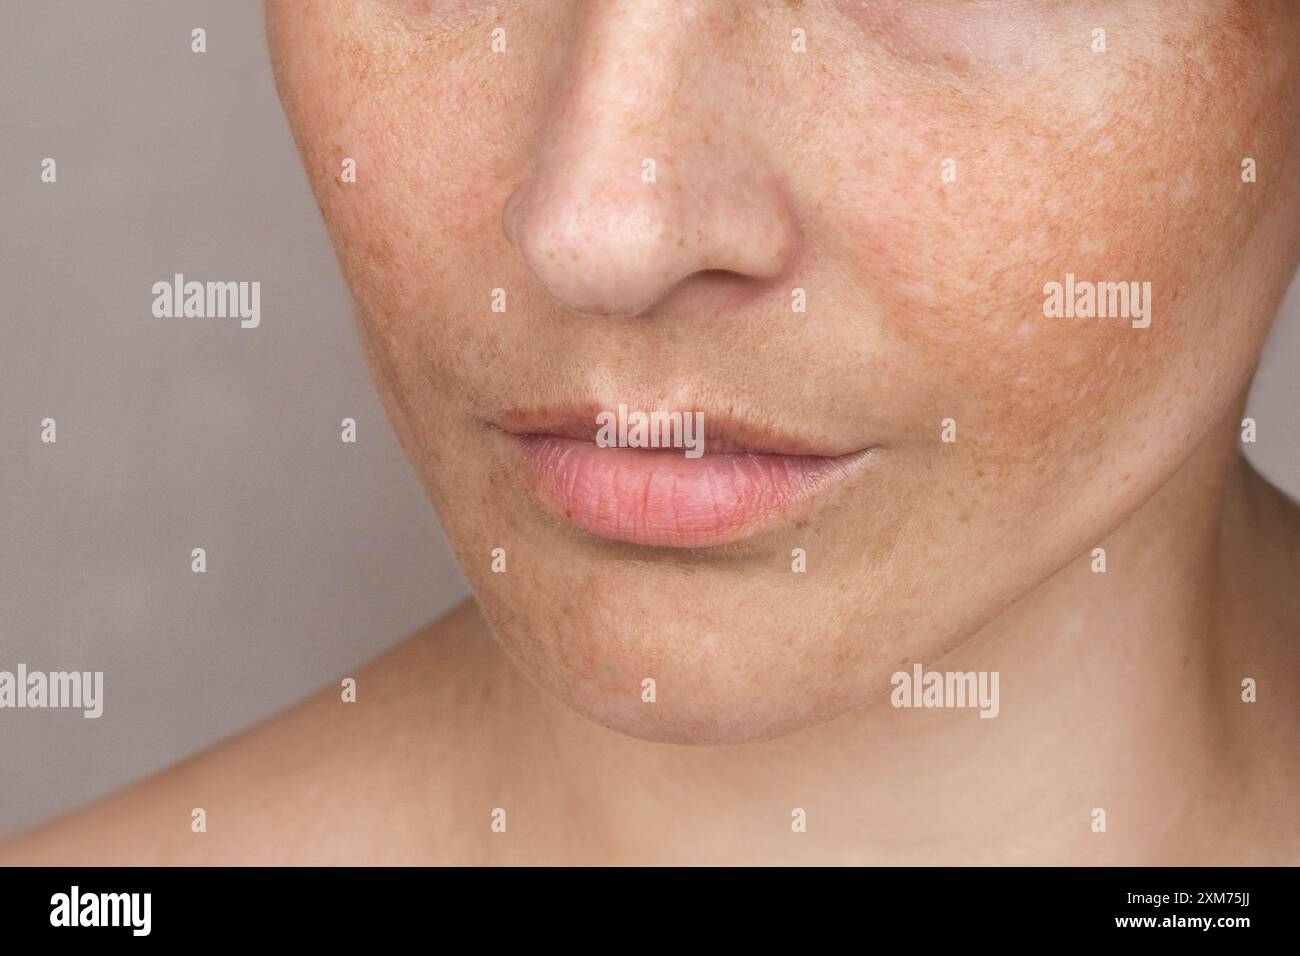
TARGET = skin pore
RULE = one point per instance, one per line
(819, 170)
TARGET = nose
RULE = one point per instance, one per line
(648, 170)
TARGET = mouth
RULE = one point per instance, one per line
(744, 479)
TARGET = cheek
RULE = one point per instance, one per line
(1146, 189)
(417, 233)
(427, 202)
(409, 108)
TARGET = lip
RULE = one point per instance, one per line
(750, 478)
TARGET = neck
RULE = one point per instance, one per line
(1113, 698)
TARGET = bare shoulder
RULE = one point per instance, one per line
(326, 781)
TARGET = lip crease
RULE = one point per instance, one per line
(748, 479)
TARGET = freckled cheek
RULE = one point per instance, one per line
(958, 283)
(419, 229)
(416, 233)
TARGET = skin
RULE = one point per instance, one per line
(822, 171)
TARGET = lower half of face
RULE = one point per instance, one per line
(945, 292)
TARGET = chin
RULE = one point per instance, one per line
(715, 710)
(723, 672)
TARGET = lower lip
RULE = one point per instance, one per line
(659, 497)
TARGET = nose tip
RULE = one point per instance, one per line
(602, 248)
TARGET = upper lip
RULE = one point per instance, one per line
(726, 432)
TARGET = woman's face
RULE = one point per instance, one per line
(933, 443)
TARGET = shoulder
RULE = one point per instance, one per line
(326, 781)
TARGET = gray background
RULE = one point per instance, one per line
(175, 434)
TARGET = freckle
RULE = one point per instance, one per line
(680, 243)
(963, 518)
